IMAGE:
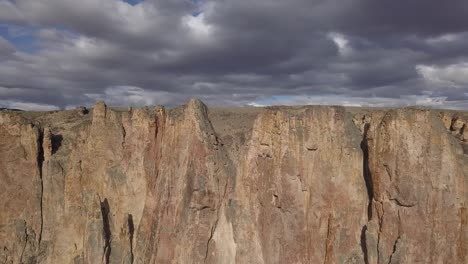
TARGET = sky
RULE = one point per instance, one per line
(58, 54)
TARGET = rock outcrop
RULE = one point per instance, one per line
(310, 184)
(418, 212)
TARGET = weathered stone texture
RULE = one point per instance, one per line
(260, 185)
(418, 205)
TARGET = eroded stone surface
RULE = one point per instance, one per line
(299, 195)
(260, 185)
(20, 190)
(418, 205)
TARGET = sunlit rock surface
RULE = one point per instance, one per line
(312, 184)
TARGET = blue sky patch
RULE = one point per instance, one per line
(133, 2)
(23, 38)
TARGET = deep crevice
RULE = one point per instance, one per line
(394, 250)
(364, 244)
(105, 210)
(366, 170)
(131, 231)
(452, 124)
(40, 163)
(213, 228)
(124, 135)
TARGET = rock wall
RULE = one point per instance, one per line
(265, 185)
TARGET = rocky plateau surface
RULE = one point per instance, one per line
(309, 184)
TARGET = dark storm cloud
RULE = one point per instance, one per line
(235, 52)
(6, 49)
(420, 17)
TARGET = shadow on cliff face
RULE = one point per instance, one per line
(56, 142)
(370, 191)
(364, 244)
(131, 231)
(366, 169)
(105, 210)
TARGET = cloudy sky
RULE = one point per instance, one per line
(64, 53)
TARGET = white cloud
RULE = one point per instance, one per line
(167, 51)
(198, 27)
(27, 106)
(444, 38)
(411, 100)
(132, 96)
(454, 75)
(341, 42)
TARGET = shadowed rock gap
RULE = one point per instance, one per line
(364, 244)
(56, 141)
(454, 121)
(394, 250)
(105, 210)
(40, 162)
(370, 191)
(131, 231)
(213, 228)
(366, 170)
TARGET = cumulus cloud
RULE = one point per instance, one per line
(453, 75)
(234, 52)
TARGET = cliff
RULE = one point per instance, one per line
(310, 184)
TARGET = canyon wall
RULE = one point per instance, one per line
(312, 184)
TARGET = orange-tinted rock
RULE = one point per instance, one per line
(418, 179)
(20, 190)
(192, 185)
(300, 195)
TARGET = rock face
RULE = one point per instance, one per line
(253, 185)
(418, 212)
